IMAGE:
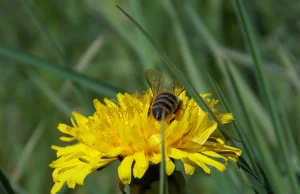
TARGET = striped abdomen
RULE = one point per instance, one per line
(164, 104)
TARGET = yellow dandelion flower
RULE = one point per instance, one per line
(125, 130)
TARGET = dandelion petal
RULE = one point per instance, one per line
(189, 168)
(170, 166)
(141, 165)
(199, 163)
(178, 154)
(124, 169)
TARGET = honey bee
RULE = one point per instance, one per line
(165, 103)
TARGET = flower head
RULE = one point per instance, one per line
(126, 130)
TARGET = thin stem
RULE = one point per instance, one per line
(162, 175)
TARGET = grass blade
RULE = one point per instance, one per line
(202, 30)
(248, 148)
(129, 36)
(292, 144)
(50, 94)
(5, 183)
(139, 41)
(97, 86)
(268, 98)
(50, 40)
(84, 99)
(83, 61)
(255, 106)
(235, 56)
(190, 63)
(53, 46)
(238, 129)
(261, 145)
(291, 70)
(27, 151)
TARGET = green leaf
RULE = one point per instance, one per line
(266, 158)
(268, 98)
(50, 94)
(248, 148)
(28, 59)
(52, 44)
(195, 72)
(5, 183)
(27, 151)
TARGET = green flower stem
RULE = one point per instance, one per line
(162, 170)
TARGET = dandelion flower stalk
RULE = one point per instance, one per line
(125, 131)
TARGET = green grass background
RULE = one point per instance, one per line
(57, 56)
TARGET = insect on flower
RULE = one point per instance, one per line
(129, 128)
(165, 102)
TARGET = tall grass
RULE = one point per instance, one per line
(222, 47)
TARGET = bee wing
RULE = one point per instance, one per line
(176, 87)
(155, 80)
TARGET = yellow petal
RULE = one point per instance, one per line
(55, 175)
(98, 105)
(113, 152)
(60, 163)
(67, 139)
(205, 95)
(54, 147)
(193, 158)
(222, 149)
(181, 128)
(104, 162)
(74, 171)
(170, 166)
(220, 140)
(122, 103)
(141, 164)
(225, 118)
(155, 158)
(189, 168)
(89, 151)
(177, 154)
(204, 135)
(214, 154)
(66, 129)
(130, 135)
(169, 131)
(56, 187)
(79, 117)
(154, 140)
(124, 170)
(74, 124)
(110, 103)
(66, 150)
(221, 167)
(77, 175)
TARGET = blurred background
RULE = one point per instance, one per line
(57, 56)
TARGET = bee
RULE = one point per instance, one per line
(165, 103)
